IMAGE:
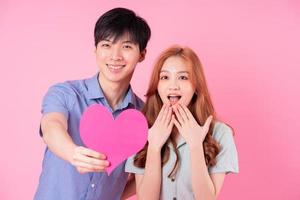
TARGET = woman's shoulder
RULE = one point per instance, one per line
(222, 132)
(131, 168)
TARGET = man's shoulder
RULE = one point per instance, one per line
(70, 87)
(139, 103)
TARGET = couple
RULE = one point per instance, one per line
(188, 151)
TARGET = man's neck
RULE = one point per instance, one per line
(114, 92)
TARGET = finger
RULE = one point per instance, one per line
(177, 124)
(165, 114)
(160, 114)
(103, 165)
(178, 115)
(168, 117)
(81, 170)
(182, 113)
(171, 124)
(207, 122)
(88, 160)
(90, 153)
(187, 112)
(85, 170)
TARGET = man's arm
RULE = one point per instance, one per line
(54, 127)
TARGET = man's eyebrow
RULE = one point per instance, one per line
(106, 40)
(128, 41)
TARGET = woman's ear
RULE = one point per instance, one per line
(142, 55)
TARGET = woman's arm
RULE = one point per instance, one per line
(205, 186)
(148, 185)
(130, 188)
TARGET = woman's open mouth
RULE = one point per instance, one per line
(174, 98)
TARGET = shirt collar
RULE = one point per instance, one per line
(129, 99)
(94, 91)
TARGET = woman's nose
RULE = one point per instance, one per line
(173, 85)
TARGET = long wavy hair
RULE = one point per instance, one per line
(200, 106)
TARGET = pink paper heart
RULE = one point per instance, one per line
(117, 138)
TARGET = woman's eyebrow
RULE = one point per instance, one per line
(181, 72)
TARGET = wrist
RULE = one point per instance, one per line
(196, 147)
(154, 148)
(194, 142)
(71, 152)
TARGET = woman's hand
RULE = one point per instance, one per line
(189, 129)
(162, 127)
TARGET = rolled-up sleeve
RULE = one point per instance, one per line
(227, 159)
(59, 98)
(130, 168)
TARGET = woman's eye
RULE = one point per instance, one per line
(183, 78)
(163, 77)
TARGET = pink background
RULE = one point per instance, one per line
(249, 49)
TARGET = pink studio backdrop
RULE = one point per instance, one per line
(249, 49)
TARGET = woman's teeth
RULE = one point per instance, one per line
(174, 99)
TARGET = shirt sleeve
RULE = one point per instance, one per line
(227, 159)
(130, 168)
(59, 98)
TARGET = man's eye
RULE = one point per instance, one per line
(127, 47)
(105, 45)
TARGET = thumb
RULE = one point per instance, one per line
(207, 122)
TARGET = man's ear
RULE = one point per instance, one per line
(143, 55)
(95, 49)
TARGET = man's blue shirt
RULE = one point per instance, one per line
(59, 179)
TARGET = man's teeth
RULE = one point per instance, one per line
(115, 66)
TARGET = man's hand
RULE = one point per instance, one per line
(87, 160)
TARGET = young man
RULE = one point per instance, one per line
(71, 171)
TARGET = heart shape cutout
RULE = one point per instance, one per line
(117, 138)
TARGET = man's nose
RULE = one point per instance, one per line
(116, 54)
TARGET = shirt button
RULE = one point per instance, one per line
(93, 185)
(173, 179)
(174, 198)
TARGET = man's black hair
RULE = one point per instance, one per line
(119, 21)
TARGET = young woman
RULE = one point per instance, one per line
(188, 152)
